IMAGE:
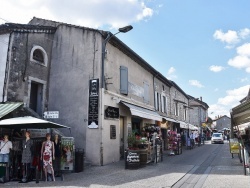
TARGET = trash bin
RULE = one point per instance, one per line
(79, 160)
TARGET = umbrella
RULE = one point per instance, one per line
(29, 122)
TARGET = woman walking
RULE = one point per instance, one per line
(47, 154)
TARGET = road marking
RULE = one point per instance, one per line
(203, 178)
(184, 178)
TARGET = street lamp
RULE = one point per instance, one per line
(110, 35)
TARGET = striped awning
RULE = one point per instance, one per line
(6, 108)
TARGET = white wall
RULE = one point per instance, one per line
(4, 40)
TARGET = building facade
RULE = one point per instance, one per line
(198, 112)
(102, 95)
(222, 122)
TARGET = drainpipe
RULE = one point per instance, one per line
(7, 67)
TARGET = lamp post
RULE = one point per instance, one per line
(110, 35)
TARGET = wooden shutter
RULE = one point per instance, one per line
(123, 80)
(146, 92)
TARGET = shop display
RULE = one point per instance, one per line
(144, 147)
(174, 143)
(67, 157)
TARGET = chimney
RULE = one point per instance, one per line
(201, 99)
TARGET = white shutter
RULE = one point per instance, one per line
(162, 104)
(156, 104)
(166, 101)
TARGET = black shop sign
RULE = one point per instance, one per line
(93, 103)
(112, 112)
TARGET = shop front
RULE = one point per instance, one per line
(24, 157)
(240, 123)
(143, 135)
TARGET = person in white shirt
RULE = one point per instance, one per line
(5, 146)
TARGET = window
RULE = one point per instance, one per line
(146, 92)
(164, 104)
(156, 100)
(39, 55)
(185, 114)
(176, 110)
(163, 89)
(159, 99)
(123, 80)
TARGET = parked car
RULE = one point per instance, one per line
(217, 138)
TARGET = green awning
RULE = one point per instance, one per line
(7, 108)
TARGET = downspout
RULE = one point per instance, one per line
(7, 67)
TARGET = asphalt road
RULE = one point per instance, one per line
(207, 166)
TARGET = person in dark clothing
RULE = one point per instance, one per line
(57, 144)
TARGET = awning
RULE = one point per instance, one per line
(183, 125)
(29, 122)
(192, 127)
(6, 108)
(169, 119)
(142, 112)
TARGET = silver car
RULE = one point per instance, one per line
(217, 138)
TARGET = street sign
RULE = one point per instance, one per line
(51, 114)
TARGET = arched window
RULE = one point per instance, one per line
(38, 55)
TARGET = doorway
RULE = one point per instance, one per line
(122, 138)
(36, 97)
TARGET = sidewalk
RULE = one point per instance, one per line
(206, 166)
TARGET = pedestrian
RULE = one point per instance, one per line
(5, 146)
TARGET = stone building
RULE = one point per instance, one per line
(25, 64)
(222, 122)
(101, 95)
(198, 111)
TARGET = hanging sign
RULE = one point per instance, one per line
(93, 103)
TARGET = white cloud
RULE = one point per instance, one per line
(244, 33)
(244, 50)
(94, 13)
(242, 60)
(171, 73)
(195, 83)
(230, 37)
(216, 68)
(232, 98)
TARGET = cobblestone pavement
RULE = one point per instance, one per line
(208, 166)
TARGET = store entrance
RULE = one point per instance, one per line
(121, 138)
(136, 126)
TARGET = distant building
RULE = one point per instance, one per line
(222, 122)
(198, 111)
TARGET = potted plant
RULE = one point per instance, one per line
(131, 141)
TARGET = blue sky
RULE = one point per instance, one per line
(202, 45)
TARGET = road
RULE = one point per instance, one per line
(207, 166)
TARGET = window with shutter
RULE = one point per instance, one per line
(146, 92)
(123, 80)
(156, 101)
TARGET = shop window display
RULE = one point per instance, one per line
(146, 145)
(174, 143)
